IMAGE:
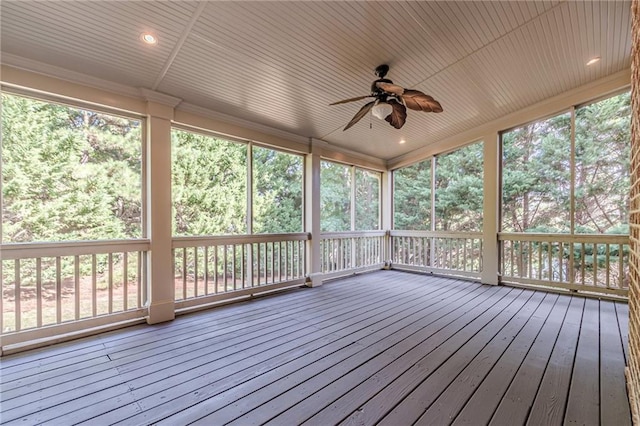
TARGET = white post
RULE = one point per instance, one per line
(490, 249)
(387, 215)
(158, 179)
(312, 215)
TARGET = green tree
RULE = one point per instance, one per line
(459, 189)
(277, 191)
(412, 197)
(209, 185)
(536, 176)
(68, 173)
(603, 153)
(335, 197)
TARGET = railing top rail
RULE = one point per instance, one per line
(214, 240)
(565, 238)
(12, 251)
(436, 234)
(352, 234)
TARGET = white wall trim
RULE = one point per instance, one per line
(343, 155)
(158, 97)
(30, 65)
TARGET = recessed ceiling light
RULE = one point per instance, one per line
(593, 60)
(402, 141)
(148, 38)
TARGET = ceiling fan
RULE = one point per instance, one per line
(391, 101)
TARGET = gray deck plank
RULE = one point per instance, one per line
(551, 400)
(373, 410)
(514, 406)
(583, 404)
(350, 351)
(312, 394)
(490, 342)
(482, 384)
(54, 396)
(352, 397)
(263, 353)
(622, 312)
(208, 332)
(614, 406)
(343, 347)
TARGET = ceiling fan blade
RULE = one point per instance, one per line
(363, 111)
(398, 116)
(416, 100)
(394, 89)
(359, 98)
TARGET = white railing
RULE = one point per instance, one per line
(588, 263)
(346, 252)
(447, 253)
(53, 285)
(207, 269)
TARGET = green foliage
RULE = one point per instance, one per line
(603, 154)
(536, 185)
(209, 185)
(412, 197)
(459, 192)
(335, 197)
(367, 200)
(68, 173)
(277, 191)
(536, 176)
(459, 189)
(336, 185)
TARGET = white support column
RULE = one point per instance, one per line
(490, 249)
(158, 207)
(387, 214)
(312, 215)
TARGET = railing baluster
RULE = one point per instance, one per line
(76, 286)
(273, 258)
(139, 280)
(58, 290)
(606, 260)
(17, 296)
(195, 271)
(125, 281)
(38, 292)
(233, 266)
(94, 285)
(572, 266)
(215, 269)
(621, 258)
(582, 264)
(560, 262)
(225, 268)
(595, 265)
(206, 269)
(110, 257)
(184, 273)
(243, 264)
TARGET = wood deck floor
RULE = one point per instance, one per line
(387, 347)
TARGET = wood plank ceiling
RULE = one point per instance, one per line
(281, 63)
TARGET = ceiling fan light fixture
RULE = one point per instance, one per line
(381, 110)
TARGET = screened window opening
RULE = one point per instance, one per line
(68, 173)
(412, 197)
(209, 185)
